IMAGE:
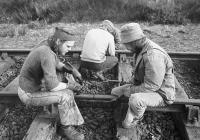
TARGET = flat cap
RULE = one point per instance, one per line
(131, 32)
(63, 34)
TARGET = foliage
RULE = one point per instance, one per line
(192, 10)
(25, 11)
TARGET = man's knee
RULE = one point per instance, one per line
(25, 98)
(67, 95)
(136, 104)
(135, 100)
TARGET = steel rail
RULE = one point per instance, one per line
(105, 101)
(15, 52)
(9, 95)
(174, 55)
(111, 98)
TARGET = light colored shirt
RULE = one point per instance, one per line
(97, 44)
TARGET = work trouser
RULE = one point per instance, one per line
(138, 102)
(109, 63)
(69, 113)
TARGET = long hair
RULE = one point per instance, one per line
(107, 25)
(52, 44)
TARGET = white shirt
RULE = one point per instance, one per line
(97, 42)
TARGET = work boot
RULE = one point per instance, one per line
(70, 133)
(132, 124)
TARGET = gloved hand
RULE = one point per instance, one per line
(74, 86)
(72, 70)
(121, 90)
(114, 97)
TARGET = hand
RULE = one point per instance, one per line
(121, 90)
(77, 76)
(114, 98)
(74, 86)
(69, 68)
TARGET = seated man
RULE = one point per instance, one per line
(154, 81)
(98, 53)
(42, 63)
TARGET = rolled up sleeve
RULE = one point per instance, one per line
(154, 73)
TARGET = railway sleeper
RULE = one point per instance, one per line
(42, 128)
(44, 125)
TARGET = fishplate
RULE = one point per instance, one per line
(4, 55)
(193, 116)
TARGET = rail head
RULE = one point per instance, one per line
(174, 55)
(179, 101)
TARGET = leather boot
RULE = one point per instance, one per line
(70, 133)
(132, 124)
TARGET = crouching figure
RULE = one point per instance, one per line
(42, 64)
(98, 53)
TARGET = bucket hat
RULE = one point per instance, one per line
(131, 32)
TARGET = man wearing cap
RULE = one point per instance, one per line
(42, 63)
(98, 53)
(153, 83)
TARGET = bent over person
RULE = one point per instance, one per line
(153, 83)
(98, 52)
(42, 63)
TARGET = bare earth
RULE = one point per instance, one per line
(173, 38)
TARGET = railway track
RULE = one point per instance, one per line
(184, 111)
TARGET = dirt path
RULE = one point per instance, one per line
(172, 38)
